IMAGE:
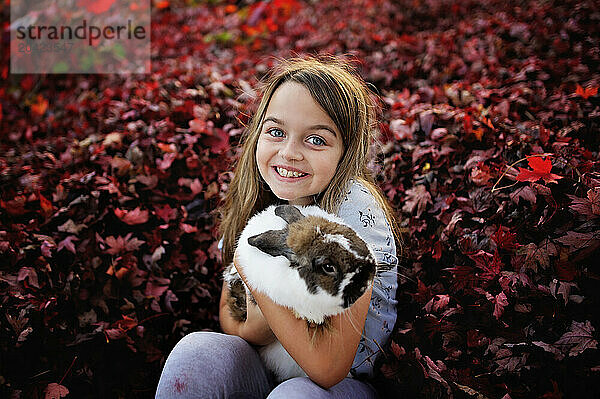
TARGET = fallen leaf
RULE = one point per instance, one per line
(541, 170)
(55, 391)
(96, 6)
(587, 92)
(135, 216)
(579, 338)
(416, 198)
(68, 244)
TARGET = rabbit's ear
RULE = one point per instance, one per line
(289, 213)
(272, 242)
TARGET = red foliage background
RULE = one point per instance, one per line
(490, 136)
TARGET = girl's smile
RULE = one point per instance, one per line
(299, 146)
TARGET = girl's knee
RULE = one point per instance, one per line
(213, 365)
(206, 347)
(304, 387)
(298, 388)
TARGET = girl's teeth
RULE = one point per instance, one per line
(288, 173)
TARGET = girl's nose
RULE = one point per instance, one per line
(290, 151)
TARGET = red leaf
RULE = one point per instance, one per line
(156, 286)
(500, 302)
(505, 239)
(594, 197)
(463, 277)
(126, 324)
(417, 198)
(122, 244)
(40, 106)
(165, 212)
(29, 274)
(541, 170)
(525, 192)
(45, 205)
(577, 240)
(187, 228)
(55, 391)
(166, 161)
(67, 243)
(96, 6)
(587, 92)
(397, 350)
(136, 216)
(581, 335)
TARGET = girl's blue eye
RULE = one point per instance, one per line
(275, 130)
(317, 140)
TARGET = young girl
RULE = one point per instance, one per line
(308, 143)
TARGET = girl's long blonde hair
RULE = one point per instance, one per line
(345, 97)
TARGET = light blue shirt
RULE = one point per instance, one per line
(361, 211)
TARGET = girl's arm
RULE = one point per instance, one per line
(254, 330)
(229, 325)
(328, 360)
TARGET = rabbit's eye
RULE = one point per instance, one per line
(328, 268)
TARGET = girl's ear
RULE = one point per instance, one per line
(272, 242)
(289, 213)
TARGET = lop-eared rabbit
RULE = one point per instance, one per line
(303, 258)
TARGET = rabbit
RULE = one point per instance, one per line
(303, 258)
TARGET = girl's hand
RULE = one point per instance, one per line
(255, 329)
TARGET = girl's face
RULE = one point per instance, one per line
(299, 146)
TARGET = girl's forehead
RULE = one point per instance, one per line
(292, 102)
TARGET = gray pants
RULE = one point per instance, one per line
(213, 365)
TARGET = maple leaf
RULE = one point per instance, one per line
(68, 244)
(579, 337)
(166, 161)
(551, 349)
(490, 264)
(577, 240)
(96, 6)
(563, 288)
(500, 302)
(590, 206)
(40, 106)
(71, 227)
(417, 198)
(165, 212)
(45, 204)
(481, 175)
(156, 286)
(594, 198)
(196, 186)
(188, 228)
(136, 216)
(397, 350)
(541, 170)
(122, 244)
(463, 277)
(505, 239)
(437, 303)
(507, 362)
(30, 274)
(55, 391)
(587, 92)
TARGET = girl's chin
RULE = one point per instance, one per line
(294, 200)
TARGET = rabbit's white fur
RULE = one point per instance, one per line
(266, 273)
(274, 277)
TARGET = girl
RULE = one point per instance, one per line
(308, 143)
